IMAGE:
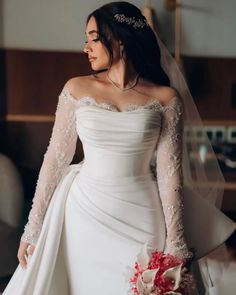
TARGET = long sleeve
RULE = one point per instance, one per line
(57, 158)
(169, 177)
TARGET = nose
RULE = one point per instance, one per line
(87, 48)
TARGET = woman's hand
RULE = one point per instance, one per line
(25, 250)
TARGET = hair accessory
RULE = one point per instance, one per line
(139, 23)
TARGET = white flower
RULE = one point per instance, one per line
(173, 274)
(145, 282)
(144, 256)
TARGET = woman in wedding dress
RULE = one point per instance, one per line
(88, 221)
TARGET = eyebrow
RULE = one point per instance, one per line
(91, 32)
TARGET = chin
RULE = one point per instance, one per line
(95, 68)
(98, 67)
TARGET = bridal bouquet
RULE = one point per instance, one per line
(159, 274)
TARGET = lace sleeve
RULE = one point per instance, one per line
(58, 156)
(170, 179)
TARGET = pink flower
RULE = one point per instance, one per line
(157, 273)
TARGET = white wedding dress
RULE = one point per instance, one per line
(89, 221)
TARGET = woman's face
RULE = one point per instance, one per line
(98, 55)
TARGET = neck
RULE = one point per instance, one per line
(122, 74)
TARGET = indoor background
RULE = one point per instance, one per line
(41, 46)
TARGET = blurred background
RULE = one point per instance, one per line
(41, 46)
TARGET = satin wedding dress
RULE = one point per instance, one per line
(89, 220)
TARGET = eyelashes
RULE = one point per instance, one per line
(94, 40)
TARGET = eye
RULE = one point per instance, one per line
(94, 40)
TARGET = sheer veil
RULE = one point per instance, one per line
(201, 169)
(202, 175)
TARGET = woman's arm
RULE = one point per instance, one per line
(170, 178)
(57, 158)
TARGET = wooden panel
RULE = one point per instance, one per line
(211, 81)
(35, 79)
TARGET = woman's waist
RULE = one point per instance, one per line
(121, 168)
(141, 190)
(122, 176)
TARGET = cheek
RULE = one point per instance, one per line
(103, 55)
(103, 52)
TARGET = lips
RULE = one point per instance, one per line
(91, 58)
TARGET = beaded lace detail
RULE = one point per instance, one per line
(170, 178)
(57, 158)
(150, 104)
(88, 101)
(61, 150)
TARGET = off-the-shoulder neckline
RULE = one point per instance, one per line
(129, 107)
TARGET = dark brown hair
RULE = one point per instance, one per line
(140, 44)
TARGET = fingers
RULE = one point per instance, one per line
(25, 250)
(30, 249)
(23, 262)
(22, 254)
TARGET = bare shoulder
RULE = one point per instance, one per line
(77, 86)
(165, 94)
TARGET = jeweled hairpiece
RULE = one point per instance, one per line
(136, 23)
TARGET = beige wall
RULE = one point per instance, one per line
(208, 26)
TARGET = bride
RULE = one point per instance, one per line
(89, 221)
